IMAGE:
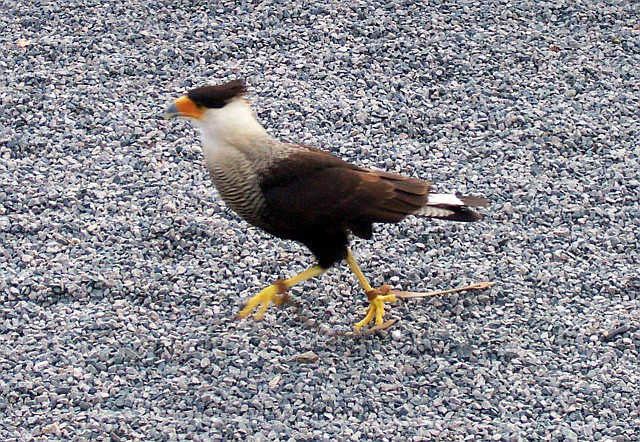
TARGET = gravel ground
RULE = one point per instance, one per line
(121, 270)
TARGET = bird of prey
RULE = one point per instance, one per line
(302, 193)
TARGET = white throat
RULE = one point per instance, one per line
(233, 127)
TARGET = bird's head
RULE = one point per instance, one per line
(220, 111)
(199, 102)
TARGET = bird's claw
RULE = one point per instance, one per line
(275, 293)
(377, 298)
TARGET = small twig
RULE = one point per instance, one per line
(476, 286)
(373, 329)
(616, 331)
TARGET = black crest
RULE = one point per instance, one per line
(217, 96)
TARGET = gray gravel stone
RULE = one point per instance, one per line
(121, 270)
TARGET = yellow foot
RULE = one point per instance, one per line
(264, 299)
(377, 298)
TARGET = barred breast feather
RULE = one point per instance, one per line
(238, 174)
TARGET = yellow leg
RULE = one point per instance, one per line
(267, 295)
(377, 297)
(353, 265)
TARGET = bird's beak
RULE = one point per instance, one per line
(184, 107)
(171, 112)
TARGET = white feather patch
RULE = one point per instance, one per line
(229, 129)
(442, 199)
(431, 211)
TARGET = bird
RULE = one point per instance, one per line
(305, 194)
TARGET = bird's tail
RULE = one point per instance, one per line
(452, 207)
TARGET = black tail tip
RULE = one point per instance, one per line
(465, 215)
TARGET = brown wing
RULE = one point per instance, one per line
(314, 189)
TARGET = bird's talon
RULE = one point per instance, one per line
(262, 301)
(261, 311)
(376, 307)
